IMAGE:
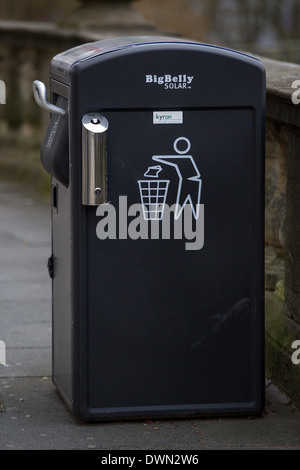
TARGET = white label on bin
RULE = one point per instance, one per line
(167, 117)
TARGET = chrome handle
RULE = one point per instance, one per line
(94, 127)
(40, 95)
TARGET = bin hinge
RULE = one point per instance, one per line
(50, 266)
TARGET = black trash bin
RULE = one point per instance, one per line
(156, 151)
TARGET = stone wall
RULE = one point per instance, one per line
(282, 225)
(25, 53)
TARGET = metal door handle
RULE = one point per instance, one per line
(40, 95)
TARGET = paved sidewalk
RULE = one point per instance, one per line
(33, 415)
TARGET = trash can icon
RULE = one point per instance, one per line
(153, 194)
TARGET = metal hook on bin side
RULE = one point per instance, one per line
(40, 95)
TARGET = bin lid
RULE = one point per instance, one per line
(63, 62)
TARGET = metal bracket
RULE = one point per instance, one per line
(94, 190)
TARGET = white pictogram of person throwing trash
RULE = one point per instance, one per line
(153, 191)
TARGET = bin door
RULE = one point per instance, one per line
(174, 264)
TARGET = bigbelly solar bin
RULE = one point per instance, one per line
(155, 148)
